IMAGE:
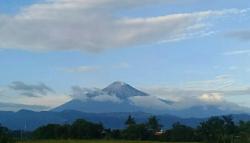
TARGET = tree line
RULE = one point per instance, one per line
(214, 130)
(5, 135)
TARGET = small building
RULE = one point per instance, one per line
(159, 133)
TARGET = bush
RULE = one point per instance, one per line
(80, 129)
(5, 136)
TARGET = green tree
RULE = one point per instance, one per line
(181, 133)
(5, 136)
(212, 130)
(50, 131)
(130, 121)
(153, 124)
(244, 132)
(218, 130)
(230, 129)
(112, 134)
(64, 131)
(82, 129)
(136, 132)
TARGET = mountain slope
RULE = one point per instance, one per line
(118, 90)
(91, 106)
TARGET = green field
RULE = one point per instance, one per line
(88, 141)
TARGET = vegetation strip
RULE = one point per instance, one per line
(214, 130)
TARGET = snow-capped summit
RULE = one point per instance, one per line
(123, 90)
(113, 98)
(118, 83)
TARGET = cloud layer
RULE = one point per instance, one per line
(30, 90)
(243, 35)
(92, 25)
(94, 94)
(19, 95)
(82, 69)
(16, 107)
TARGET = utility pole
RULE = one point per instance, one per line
(23, 130)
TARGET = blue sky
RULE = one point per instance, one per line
(152, 45)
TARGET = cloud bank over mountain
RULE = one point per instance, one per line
(121, 97)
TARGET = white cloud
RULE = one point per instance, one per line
(82, 69)
(84, 93)
(95, 94)
(243, 35)
(218, 83)
(122, 65)
(51, 100)
(106, 97)
(91, 69)
(16, 107)
(215, 91)
(30, 90)
(233, 68)
(26, 96)
(91, 25)
(248, 70)
(238, 52)
(151, 102)
(19, 101)
(211, 97)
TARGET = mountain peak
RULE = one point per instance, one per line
(118, 84)
(123, 90)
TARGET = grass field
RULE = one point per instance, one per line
(88, 141)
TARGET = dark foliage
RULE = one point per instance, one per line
(153, 124)
(136, 132)
(181, 133)
(5, 136)
(214, 130)
(130, 121)
(80, 129)
(218, 130)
